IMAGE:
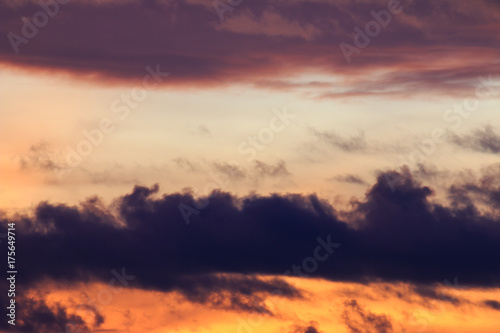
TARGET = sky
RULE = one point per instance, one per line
(300, 166)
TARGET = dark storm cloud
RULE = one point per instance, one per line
(399, 236)
(483, 140)
(262, 43)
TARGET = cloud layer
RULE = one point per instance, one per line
(394, 234)
(265, 43)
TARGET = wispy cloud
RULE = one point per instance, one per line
(357, 319)
(349, 144)
(269, 170)
(351, 179)
(484, 140)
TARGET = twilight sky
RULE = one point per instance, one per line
(297, 166)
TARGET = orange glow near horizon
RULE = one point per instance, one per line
(135, 310)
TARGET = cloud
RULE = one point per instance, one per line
(482, 140)
(267, 170)
(430, 292)
(351, 179)
(217, 259)
(41, 318)
(358, 320)
(471, 191)
(40, 157)
(235, 292)
(230, 170)
(202, 131)
(35, 314)
(186, 164)
(351, 144)
(310, 328)
(422, 50)
(492, 304)
(268, 24)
